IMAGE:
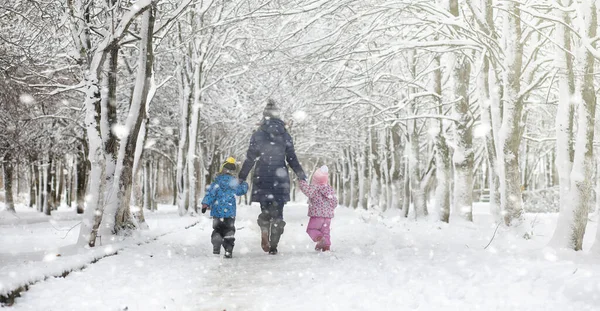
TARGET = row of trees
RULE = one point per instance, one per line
(131, 102)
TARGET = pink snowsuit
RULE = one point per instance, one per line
(321, 203)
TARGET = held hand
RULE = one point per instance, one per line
(204, 208)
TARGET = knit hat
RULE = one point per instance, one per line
(271, 110)
(320, 176)
(229, 166)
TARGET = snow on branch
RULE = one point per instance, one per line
(541, 33)
(120, 31)
(229, 75)
(425, 116)
(533, 85)
(586, 42)
(173, 16)
(427, 44)
(59, 88)
(548, 17)
(539, 140)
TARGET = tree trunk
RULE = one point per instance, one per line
(81, 177)
(417, 192)
(193, 155)
(33, 184)
(175, 192)
(154, 187)
(488, 118)
(406, 187)
(581, 174)
(182, 177)
(147, 192)
(352, 173)
(48, 201)
(510, 178)
(361, 178)
(60, 177)
(564, 126)
(463, 154)
(414, 156)
(52, 182)
(17, 179)
(385, 180)
(490, 141)
(347, 177)
(39, 180)
(442, 155)
(69, 184)
(139, 152)
(123, 219)
(95, 199)
(7, 170)
(397, 167)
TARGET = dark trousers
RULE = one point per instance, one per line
(223, 234)
(271, 221)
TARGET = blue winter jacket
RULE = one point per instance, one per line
(220, 195)
(271, 149)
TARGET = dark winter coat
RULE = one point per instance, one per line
(220, 195)
(271, 146)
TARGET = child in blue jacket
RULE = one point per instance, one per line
(220, 197)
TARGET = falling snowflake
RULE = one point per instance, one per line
(281, 172)
(120, 131)
(481, 130)
(150, 143)
(299, 116)
(26, 99)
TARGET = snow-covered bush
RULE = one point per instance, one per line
(542, 200)
(547, 201)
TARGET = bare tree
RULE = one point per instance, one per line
(509, 136)
(574, 213)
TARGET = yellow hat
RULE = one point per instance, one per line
(229, 165)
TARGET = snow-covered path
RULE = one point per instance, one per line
(377, 264)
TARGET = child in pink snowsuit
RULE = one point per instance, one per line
(321, 203)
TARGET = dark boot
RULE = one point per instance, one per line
(228, 236)
(273, 251)
(264, 240)
(264, 225)
(216, 241)
(319, 245)
(228, 244)
(276, 231)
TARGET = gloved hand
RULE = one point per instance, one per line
(204, 208)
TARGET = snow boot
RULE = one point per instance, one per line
(217, 240)
(276, 231)
(228, 243)
(264, 225)
(325, 248)
(273, 251)
(264, 240)
(319, 245)
(228, 246)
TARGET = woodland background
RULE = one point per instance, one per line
(112, 106)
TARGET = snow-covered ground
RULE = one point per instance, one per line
(377, 263)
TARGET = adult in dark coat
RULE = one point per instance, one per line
(271, 147)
